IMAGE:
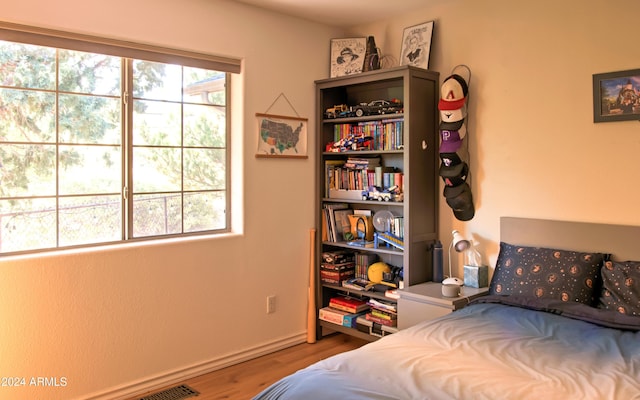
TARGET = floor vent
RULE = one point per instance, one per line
(174, 393)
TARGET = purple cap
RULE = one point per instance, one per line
(450, 141)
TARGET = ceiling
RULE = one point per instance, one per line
(341, 13)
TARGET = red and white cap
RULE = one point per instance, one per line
(453, 93)
(453, 115)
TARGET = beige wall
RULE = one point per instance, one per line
(535, 151)
(119, 319)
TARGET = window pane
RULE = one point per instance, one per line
(156, 170)
(27, 224)
(90, 119)
(63, 125)
(159, 214)
(157, 81)
(204, 211)
(28, 170)
(94, 219)
(27, 116)
(204, 86)
(204, 126)
(82, 72)
(156, 123)
(27, 66)
(204, 169)
(90, 169)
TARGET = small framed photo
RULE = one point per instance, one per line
(347, 56)
(616, 96)
(416, 45)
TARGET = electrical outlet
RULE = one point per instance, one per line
(271, 304)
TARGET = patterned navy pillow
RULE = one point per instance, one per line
(547, 273)
(621, 287)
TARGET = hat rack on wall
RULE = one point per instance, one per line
(454, 142)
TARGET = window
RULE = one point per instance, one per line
(99, 148)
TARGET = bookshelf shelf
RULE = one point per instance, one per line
(405, 148)
(380, 250)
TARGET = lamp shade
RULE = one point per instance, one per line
(459, 242)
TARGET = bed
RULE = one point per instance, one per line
(561, 321)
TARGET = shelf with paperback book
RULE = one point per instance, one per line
(339, 317)
(382, 312)
(349, 304)
(383, 134)
(377, 163)
(348, 179)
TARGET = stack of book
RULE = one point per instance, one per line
(343, 310)
(347, 179)
(362, 262)
(382, 312)
(337, 267)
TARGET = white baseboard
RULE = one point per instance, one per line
(169, 378)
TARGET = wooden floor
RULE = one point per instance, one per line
(245, 380)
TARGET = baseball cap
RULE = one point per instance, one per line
(451, 126)
(460, 199)
(454, 175)
(462, 131)
(450, 141)
(453, 115)
(450, 159)
(453, 93)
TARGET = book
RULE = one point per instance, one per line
(349, 304)
(362, 262)
(382, 305)
(343, 225)
(357, 284)
(338, 256)
(379, 175)
(332, 221)
(362, 162)
(383, 314)
(381, 321)
(392, 294)
(330, 174)
(337, 267)
(336, 277)
(338, 317)
(361, 211)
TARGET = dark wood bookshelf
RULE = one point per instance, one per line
(417, 159)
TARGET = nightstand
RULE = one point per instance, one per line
(425, 301)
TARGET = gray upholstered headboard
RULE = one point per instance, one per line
(622, 241)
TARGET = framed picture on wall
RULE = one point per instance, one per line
(281, 136)
(416, 45)
(616, 96)
(347, 56)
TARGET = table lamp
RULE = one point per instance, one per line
(460, 244)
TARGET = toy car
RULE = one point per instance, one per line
(374, 193)
(351, 143)
(333, 112)
(378, 107)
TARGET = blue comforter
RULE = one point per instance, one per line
(484, 351)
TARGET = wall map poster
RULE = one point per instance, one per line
(281, 136)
